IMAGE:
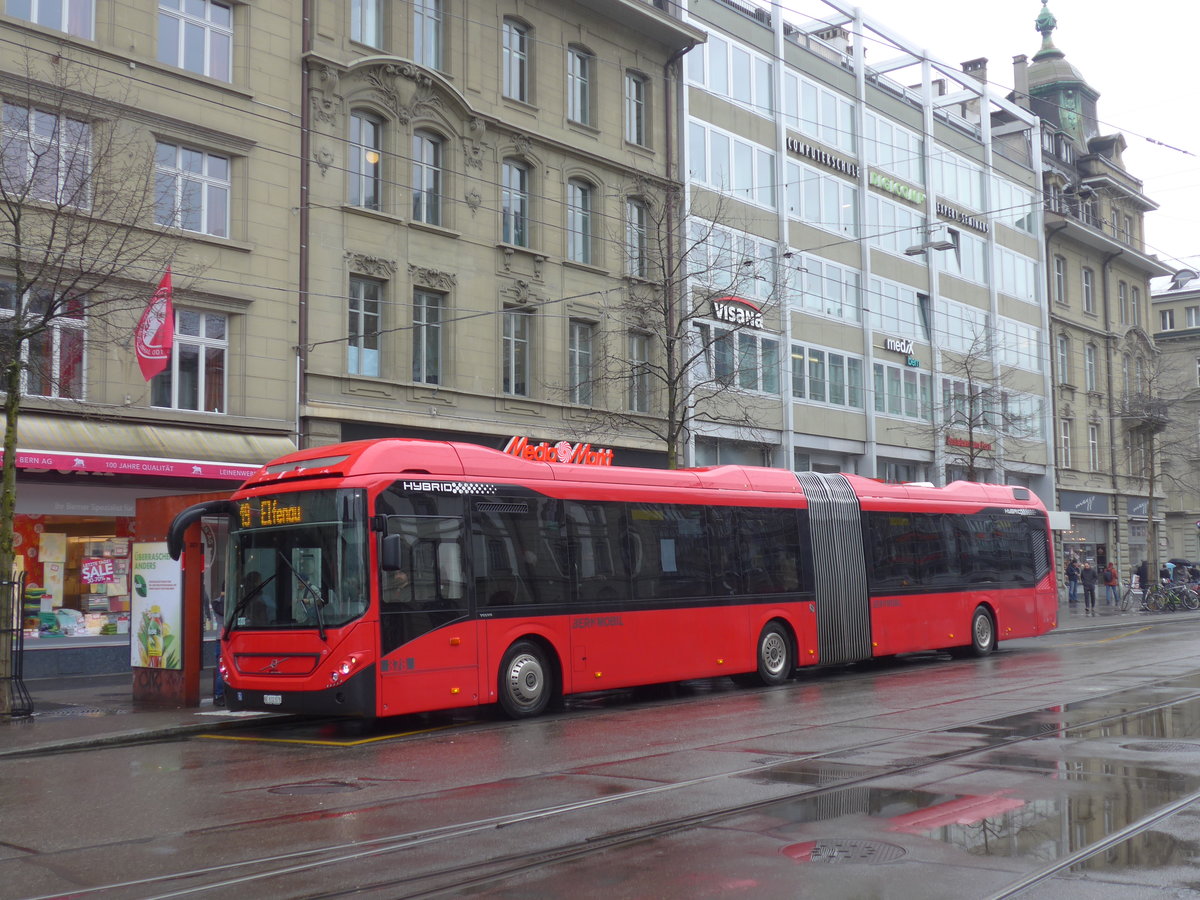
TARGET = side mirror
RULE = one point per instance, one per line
(391, 553)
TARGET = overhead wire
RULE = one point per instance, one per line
(461, 173)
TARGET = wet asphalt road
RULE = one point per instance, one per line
(1065, 766)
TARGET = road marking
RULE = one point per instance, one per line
(327, 743)
(1115, 637)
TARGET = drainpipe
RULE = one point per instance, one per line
(669, 84)
(1109, 347)
(306, 41)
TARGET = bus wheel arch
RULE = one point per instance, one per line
(528, 679)
(775, 652)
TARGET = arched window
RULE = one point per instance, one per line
(1089, 367)
(581, 198)
(364, 167)
(636, 248)
(427, 153)
(1064, 359)
(514, 202)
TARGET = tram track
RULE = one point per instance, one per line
(258, 873)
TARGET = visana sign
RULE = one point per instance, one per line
(737, 311)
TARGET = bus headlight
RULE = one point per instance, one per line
(345, 668)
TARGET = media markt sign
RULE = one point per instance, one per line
(563, 452)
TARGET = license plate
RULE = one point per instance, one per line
(273, 699)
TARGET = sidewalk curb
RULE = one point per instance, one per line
(125, 738)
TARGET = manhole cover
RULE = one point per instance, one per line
(844, 850)
(315, 787)
(1162, 747)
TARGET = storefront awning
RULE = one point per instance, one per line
(122, 448)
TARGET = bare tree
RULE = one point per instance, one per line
(1156, 430)
(79, 247)
(980, 419)
(700, 293)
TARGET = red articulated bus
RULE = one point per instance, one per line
(393, 576)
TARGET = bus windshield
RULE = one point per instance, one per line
(298, 561)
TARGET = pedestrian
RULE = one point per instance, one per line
(1143, 575)
(1112, 585)
(1072, 582)
(1165, 573)
(1087, 578)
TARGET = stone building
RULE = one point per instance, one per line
(475, 176)
(1102, 351)
(417, 219)
(1175, 319)
(137, 135)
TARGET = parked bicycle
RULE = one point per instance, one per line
(1145, 596)
(1160, 597)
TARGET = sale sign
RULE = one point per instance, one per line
(98, 571)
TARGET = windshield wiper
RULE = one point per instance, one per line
(241, 605)
(320, 601)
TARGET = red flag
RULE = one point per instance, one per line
(156, 331)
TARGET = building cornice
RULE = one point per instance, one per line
(1076, 232)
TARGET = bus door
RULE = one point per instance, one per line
(429, 644)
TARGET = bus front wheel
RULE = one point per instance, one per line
(774, 654)
(526, 681)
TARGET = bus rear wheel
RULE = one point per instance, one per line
(774, 654)
(526, 681)
(983, 632)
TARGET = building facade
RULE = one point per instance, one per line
(422, 220)
(139, 135)
(1102, 353)
(478, 176)
(891, 213)
(1175, 317)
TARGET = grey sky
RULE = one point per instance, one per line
(1138, 56)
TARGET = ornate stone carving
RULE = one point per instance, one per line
(371, 265)
(323, 157)
(523, 143)
(520, 291)
(472, 153)
(434, 278)
(387, 81)
(326, 101)
(474, 200)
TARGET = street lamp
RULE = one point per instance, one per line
(938, 239)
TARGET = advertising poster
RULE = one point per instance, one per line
(156, 616)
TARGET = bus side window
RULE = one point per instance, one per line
(450, 571)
